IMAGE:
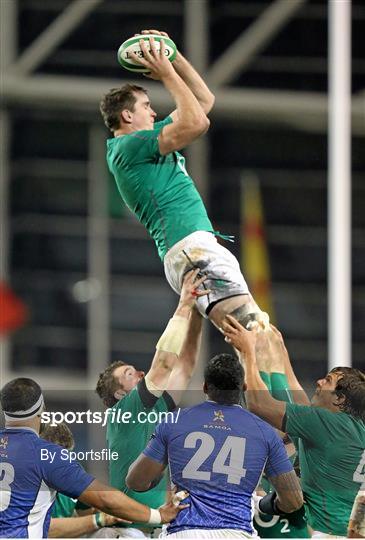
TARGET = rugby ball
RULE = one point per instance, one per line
(132, 44)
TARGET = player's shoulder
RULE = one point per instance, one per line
(252, 417)
(127, 143)
(34, 448)
(200, 408)
(313, 411)
(137, 138)
(180, 415)
(192, 409)
(25, 439)
(192, 415)
(328, 419)
(49, 447)
(310, 415)
(224, 412)
(128, 402)
(266, 429)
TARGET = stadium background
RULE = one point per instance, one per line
(89, 277)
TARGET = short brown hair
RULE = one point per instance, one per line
(115, 101)
(60, 434)
(351, 387)
(107, 385)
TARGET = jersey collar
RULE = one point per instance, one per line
(225, 404)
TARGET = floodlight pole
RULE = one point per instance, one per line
(196, 43)
(339, 185)
(8, 43)
(98, 326)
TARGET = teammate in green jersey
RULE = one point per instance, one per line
(143, 400)
(153, 182)
(330, 428)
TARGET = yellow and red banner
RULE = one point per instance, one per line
(255, 260)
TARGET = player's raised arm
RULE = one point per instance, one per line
(185, 364)
(181, 335)
(190, 121)
(258, 398)
(277, 348)
(191, 77)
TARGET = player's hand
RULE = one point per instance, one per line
(158, 65)
(270, 348)
(277, 338)
(170, 510)
(190, 290)
(243, 340)
(157, 32)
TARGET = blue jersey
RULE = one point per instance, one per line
(32, 470)
(217, 453)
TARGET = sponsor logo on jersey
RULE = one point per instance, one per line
(218, 415)
(4, 441)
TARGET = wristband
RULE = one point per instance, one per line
(172, 340)
(98, 520)
(155, 517)
(151, 387)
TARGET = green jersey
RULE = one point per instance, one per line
(66, 506)
(63, 506)
(330, 449)
(128, 433)
(157, 188)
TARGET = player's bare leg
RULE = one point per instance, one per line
(243, 308)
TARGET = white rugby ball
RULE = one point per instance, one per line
(132, 44)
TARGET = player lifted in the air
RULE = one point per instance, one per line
(153, 182)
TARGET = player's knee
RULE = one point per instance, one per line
(251, 317)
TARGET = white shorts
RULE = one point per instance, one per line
(201, 250)
(119, 532)
(207, 533)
